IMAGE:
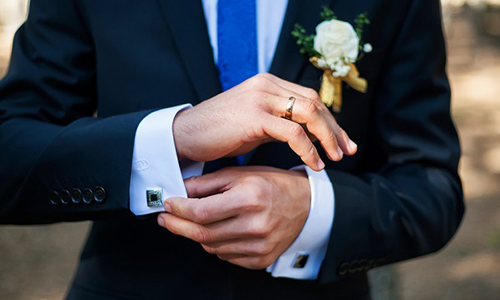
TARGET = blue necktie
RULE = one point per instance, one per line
(236, 43)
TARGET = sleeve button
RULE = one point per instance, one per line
(76, 196)
(54, 198)
(343, 269)
(88, 195)
(65, 197)
(99, 194)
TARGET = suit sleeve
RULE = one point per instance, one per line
(411, 203)
(52, 149)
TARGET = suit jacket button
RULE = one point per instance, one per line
(76, 196)
(343, 269)
(99, 194)
(88, 195)
(54, 198)
(65, 197)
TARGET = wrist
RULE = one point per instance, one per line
(178, 132)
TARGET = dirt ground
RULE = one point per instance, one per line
(37, 262)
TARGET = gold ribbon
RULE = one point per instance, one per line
(331, 86)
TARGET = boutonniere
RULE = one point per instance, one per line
(335, 49)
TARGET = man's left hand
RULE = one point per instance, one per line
(247, 216)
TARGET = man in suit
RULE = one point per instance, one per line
(276, 233)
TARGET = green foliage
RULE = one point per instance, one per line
(327, 14)
(306, 41)
(360, 21)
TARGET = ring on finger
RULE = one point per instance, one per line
(289, 108)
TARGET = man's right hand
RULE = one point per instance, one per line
(250, 114)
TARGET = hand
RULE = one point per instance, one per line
(240, 119)
(247, 216)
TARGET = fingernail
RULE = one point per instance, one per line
(168, 207)
(161, 222)
(321, 164)
(352, 146)
(340, 152)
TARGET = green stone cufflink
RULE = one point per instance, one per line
(154, 198)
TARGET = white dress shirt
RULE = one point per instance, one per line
(157, 168)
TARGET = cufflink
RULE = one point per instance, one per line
(300, 261)
(154, 198)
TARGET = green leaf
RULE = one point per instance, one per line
(327, 14)
(305, 40)
(360, 21)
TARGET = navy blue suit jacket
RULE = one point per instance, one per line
(85, 73)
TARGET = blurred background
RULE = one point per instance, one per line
(37, 262)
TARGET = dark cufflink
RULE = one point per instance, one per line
(300, 261)
(154, 198)
(99, 194)
(88, 195)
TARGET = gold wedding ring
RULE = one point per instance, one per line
(289, 108)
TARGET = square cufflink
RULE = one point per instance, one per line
(154, 198)
(300, 261)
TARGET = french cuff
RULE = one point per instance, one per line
(157, 173)
(302, 260)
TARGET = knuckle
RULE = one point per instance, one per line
(262, 249)
(331, 136)
(265, 75)
(259, 263)
(260, 229)
(201, 235)
(257, 194)
(338, 129)
(170, 227)
(200, 214)
(258, 81)
(310, 107)
(312, 94)
(296, 131)
(209, 249)
(311, 151)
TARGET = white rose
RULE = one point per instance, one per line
(336, 40)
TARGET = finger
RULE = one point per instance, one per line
(205, 210)
(319, 122)
(250, 247)
(293, 134)
(185, 228)
(249, 262)
(228, 257)
(303, 92)
(209, 184)
(290, 89)
(204, 234)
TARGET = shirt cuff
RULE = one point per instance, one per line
(156, 171)
(302, 260)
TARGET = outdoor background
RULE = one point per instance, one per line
(37, 262)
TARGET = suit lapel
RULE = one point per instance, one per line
(186, 21)
(288, 62)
